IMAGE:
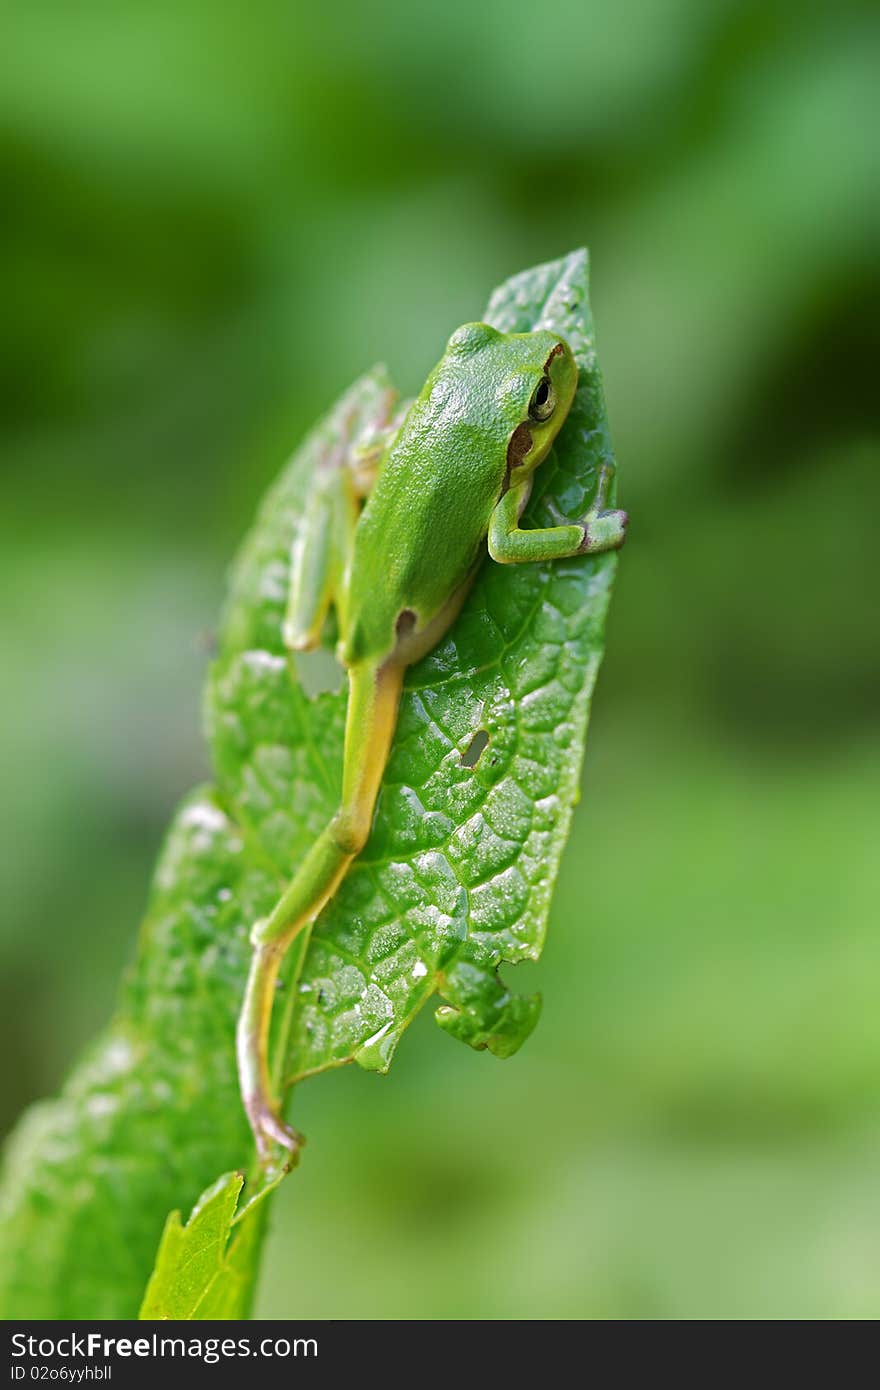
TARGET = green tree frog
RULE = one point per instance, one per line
(450, 481)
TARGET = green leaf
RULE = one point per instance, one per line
(152, 1113)
(455, 881)
(192, 1258)
(205, 1269)
(458, 873)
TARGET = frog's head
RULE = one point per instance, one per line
(530, 379)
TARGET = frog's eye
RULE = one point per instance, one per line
(543, 402)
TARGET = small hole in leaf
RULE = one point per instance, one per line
(318, 671)
(478, 744)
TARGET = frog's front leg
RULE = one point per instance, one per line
(510, 544)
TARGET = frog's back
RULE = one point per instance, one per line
(421, 532)
(423, 529)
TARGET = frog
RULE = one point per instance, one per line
(391, 540)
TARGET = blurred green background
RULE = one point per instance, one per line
(215, 217)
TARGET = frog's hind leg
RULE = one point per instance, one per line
(374, 695)
(319, 558)
(322, 548)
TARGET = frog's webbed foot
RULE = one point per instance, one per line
(603, 531)
(269, 1129)
(604, 527)
(363, 465)
(376, 438)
